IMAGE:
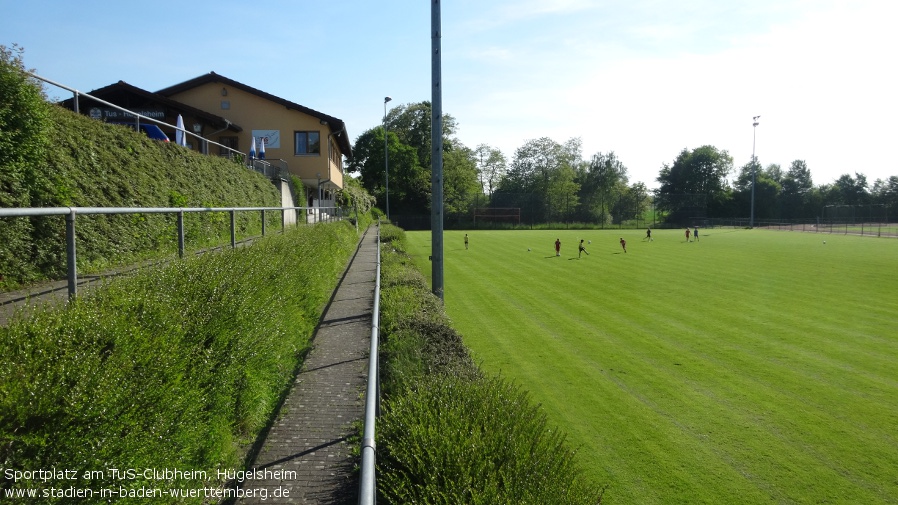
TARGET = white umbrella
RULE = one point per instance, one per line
(261, 148)
(180, 136)
(252, 149)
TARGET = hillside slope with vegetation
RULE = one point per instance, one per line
(52, 157)
(176, 367)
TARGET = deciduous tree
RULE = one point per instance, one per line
(492, 166)
(796, 191)
(696, 180)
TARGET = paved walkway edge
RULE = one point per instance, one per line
(305, 457)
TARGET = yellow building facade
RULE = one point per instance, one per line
(311, 145)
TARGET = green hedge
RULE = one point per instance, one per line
(448, 433)
(24, 135)
(174, 367)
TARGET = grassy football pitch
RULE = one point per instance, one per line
(749, 367)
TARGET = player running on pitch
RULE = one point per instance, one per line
(582, 249)
(623, 243)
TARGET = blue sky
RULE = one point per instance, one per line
(642, 78)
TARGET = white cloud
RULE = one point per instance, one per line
(823, 84)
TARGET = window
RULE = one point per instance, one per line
(307, 143)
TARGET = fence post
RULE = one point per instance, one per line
(181, 233)
(233, 229)
(263, 222)
(70, 253)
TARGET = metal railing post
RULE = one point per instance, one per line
(233, 229)
(263, 222)
(71, 266)
(71, 213)
(367, 487)
(181, 233)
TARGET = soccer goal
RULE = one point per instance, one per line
(510, 215)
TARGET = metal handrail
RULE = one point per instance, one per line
(270, 169)
(367, 488)
(76, 94)
(71, 212)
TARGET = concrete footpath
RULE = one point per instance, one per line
(305, 457)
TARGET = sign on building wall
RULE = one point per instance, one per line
(272, 138)
(108, 113)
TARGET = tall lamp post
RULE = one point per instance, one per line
(386, 158)
(754, 168)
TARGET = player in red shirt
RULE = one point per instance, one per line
(623, 243)
(557, 247)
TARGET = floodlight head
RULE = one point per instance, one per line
(387, 99)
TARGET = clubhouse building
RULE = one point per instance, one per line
(297, 140)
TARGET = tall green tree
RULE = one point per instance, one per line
(601, 179)
(696, 181)
(885, 192)
(564, 192)
(409, 183)
(641, 197)
(491, 166)
(409, 148)
(766, 190)
(412, 125)
(796, 191)
(849, 190)
(460, 185)
(775, 172)
(542, 180)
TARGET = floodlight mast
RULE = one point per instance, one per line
(386, 159)
(436, 154)
(754, 168)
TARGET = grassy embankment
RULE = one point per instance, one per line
(79, 162)
(750, 367)
(178, 367)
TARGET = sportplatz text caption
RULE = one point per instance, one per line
(51, 483)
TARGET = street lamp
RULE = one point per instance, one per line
(754, 168)
(386, 158)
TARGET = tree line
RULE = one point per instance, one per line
(552, 182)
